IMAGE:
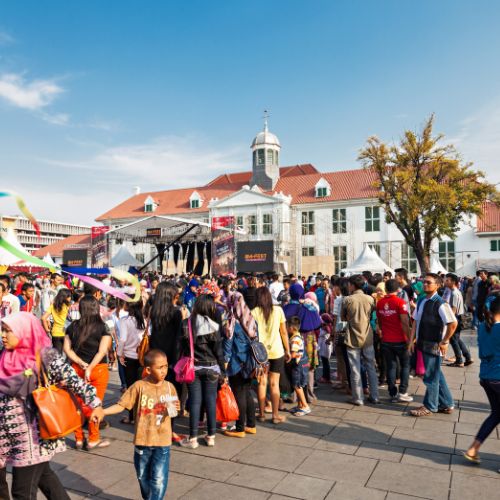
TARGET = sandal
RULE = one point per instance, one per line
(278, 420)
(102, 443)
(261, 418)
(420, 412)
(302, 412)
(448, 410)
(475, 460)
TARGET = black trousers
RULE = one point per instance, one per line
(58, 344)
(132, 367)
(242, 390)
(492, 389)
(27, 480)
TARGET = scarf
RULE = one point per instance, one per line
(238, 311)
(18, 366)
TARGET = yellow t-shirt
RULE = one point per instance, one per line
(59, 320)
(269, 333)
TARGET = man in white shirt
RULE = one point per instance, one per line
(9, 301)
(275, 288)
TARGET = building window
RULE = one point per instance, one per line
(140, 257)
(267, 224)
(252, 224)
(494, 245)
(148, 207)
(408, 259)
(261, 158)
(195, 203)
(339, 258)
(307, 251)
(270, 156)
(321, 192)
(447, 255)
(307, 223)
(372, 219)
(239, 222)
(339, 220)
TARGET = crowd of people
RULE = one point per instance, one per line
(272, 339)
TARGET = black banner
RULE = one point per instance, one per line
(75, 258)
(255, 256)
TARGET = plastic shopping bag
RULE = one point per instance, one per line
(226, 407)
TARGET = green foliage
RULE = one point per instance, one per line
(425, 188)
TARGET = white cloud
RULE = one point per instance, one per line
(56, 119)
(31, 95)
(5, 38)
(164, 162)
(478, 140)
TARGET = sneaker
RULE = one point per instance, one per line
(210, 440)
(405, 398)
(190, 443)
(251, 430)
(223, 426)
(233, 434)
(373, 401)
(469, 362)
(395, 399)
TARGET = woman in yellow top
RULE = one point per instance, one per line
(59, 312)
(272, 333)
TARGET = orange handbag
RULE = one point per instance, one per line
(58, 411)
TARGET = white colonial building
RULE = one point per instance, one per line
(319, 221)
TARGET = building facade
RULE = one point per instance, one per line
(51, 231)
(318, 221)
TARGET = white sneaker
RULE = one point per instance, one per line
(210, 440)
(405, 398)
(189, 443)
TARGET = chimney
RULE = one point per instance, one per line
(137, 190)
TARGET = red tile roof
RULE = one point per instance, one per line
(489, 221)
(56, 249)
(297, 181)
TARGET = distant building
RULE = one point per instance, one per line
(319, 221)
(73, 242)
(51, 231)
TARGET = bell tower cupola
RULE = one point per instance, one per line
(265, 154)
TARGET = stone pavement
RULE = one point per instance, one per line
(339, 451)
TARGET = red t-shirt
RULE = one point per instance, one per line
(389, 309)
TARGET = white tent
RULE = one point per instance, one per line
(468, 268)
(123, 258)
(6, 258)
(436, 266)
(368, 260)
(48, 259)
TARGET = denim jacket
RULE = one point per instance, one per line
(236, 350)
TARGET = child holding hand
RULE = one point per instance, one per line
(155, 402)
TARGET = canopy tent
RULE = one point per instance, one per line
(49, 260)
(436, 266)
(368, 260)
(6, 258)
(123, 258)
(468, 268)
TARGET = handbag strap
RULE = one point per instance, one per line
(191, 346)
(41, 372)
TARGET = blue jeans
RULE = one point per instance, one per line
(437, 395)
(202, 389)
(151, 466)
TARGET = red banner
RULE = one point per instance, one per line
(223, 246)
(222, 222)
(99, 252)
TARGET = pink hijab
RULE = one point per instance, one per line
(32, 339)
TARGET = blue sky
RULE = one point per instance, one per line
(98, 97)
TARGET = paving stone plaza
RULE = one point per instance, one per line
(339, 451)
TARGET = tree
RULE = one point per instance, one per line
(425, 188)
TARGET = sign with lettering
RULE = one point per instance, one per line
(255, 256)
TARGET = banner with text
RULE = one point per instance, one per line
(99, 252)
(223, 255)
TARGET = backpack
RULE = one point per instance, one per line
(257, 362)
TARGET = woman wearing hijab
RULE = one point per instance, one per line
(241, 329)
(24, 340)
(310, 322)
(190, 293)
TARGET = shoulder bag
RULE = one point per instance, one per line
(58, 411)
(184, 368)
